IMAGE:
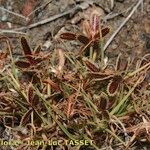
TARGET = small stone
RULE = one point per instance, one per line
(114, 46)
(4, 18)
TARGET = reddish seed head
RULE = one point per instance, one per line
(95, 22)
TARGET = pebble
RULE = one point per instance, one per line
(114, 46)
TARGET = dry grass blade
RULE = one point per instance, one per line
(70, 106)
(86, 28)
(61, 59)
(37, 50)
(9, 47)
(54, 85)
(25, 118)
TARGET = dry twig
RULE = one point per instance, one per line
(40, 7)
(113, 15)
(81, 6)
(12, 31)
(16, 14)
(122, 24)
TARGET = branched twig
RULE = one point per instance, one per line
(40, 7)
(78, 7)
(122, 24)
(112, 4)
(113, 15)
(48, 19)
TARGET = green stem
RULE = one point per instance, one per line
(116, 109)
(102, 51)
(91, 53)
(136, 71)
(32, 122)
(49, 110)
(91, 142)
(114, 135)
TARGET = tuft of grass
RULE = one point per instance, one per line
(63, 96)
